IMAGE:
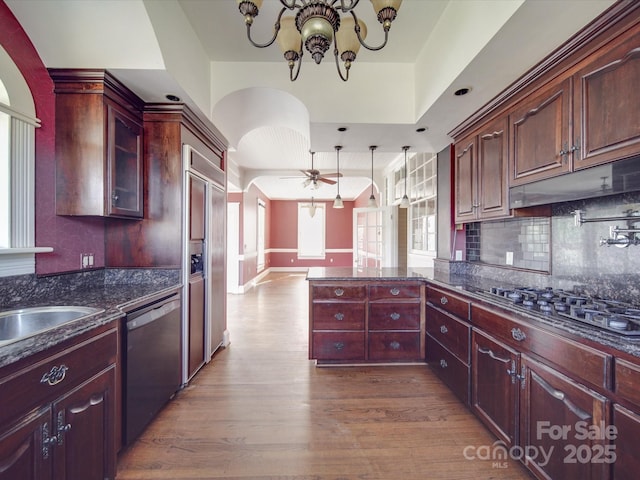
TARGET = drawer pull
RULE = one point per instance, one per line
(55, 375)
(338, 346)
(339, 292)
(443, 329)
(395, 316)
(394, 291)
(443, 363)
(518, 334)
(444, 300)
(339, 316)
(394, 345)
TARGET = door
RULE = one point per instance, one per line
(368, 237)
(216, 278)
(564, 425)
(494, 368)
(22, 453)
(82, 419)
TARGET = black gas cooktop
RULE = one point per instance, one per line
(610, 315)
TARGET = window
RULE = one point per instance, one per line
(17, 172)
(423, 195)
(311, 230)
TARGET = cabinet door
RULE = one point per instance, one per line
(607, 102)
(83, 420)
(494, 386)
(627, 430)
(22, 453)
(465, 180)
(493, 186)
(540, 135)
(565, 420)
(124, 160)
(196, 324)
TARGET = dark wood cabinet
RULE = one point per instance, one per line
(58, 420)
(494, 367)
(482, 188)
(606, 101)
(541, 135)
(99, 161)
(625, 446)
(360, 321)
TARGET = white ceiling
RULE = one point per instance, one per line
(198, 49)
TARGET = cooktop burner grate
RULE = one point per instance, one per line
(610, 315)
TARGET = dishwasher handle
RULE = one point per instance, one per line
(153, 315)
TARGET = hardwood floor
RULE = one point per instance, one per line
(261, 410)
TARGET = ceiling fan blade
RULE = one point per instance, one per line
(334, 174)
(326, 180)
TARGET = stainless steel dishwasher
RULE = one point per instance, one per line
(152, 356)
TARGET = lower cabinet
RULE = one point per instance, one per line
(627, 432)
(58, 420)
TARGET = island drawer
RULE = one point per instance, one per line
(339, 292)
(339, 346)
(453, 372)
(394, 316)
(396, 346)
(454, 334)
(338, 316)
(627, 380)
(394, 291)
(448, 302)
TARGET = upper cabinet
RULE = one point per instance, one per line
(481, 174)
(99, 161)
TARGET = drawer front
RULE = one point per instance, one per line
(453, 372)
(339, 292)
(450, 332)
(627, 378)
(338, 346)
(338, 316)
(50, 378)
(394, 316)
(568, 356)
(390, 291)
(396, 346)
(448, 302)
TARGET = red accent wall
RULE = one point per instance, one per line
(68, 236)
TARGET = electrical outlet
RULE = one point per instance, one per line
(86, 260)
(458, 255)
(509, 259)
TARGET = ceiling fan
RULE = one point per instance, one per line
(313, 177)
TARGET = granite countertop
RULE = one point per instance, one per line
(477, 288)
(112, 300)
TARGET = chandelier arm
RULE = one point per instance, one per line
(275, 33)
(361, 40)
(351, 6)
(342, 77)
(294, 78)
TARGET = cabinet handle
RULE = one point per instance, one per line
(339, 292)
(512, 371)
(394, 345)
(339, 316)
(518, 334)
(444, 300)
(443, 363)
(443, 329)
(563, 153)
(395, 316)
(338, 345)
(55, 375)
(114, 198)
(576, 146)
(46, 440)
(394, 291)
(62, 428)
(522, 377)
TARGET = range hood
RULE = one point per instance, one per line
(622, 176)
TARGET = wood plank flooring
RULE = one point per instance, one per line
(262, 411)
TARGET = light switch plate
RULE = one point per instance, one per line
(509, 259)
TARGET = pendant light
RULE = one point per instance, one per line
(372, 199)
(337, 203)
(404, 203)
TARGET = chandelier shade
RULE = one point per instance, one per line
(316, 25)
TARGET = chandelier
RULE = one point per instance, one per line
(316, 24)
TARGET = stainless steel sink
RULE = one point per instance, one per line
(18, 324)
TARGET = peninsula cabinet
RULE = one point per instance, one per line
(366, 322)
(99, 162)
(58, 416)
(448, 333)
(480, 171)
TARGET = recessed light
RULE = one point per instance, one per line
(172, 98)
(421, 129)
(462, 91)
(342, 129)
